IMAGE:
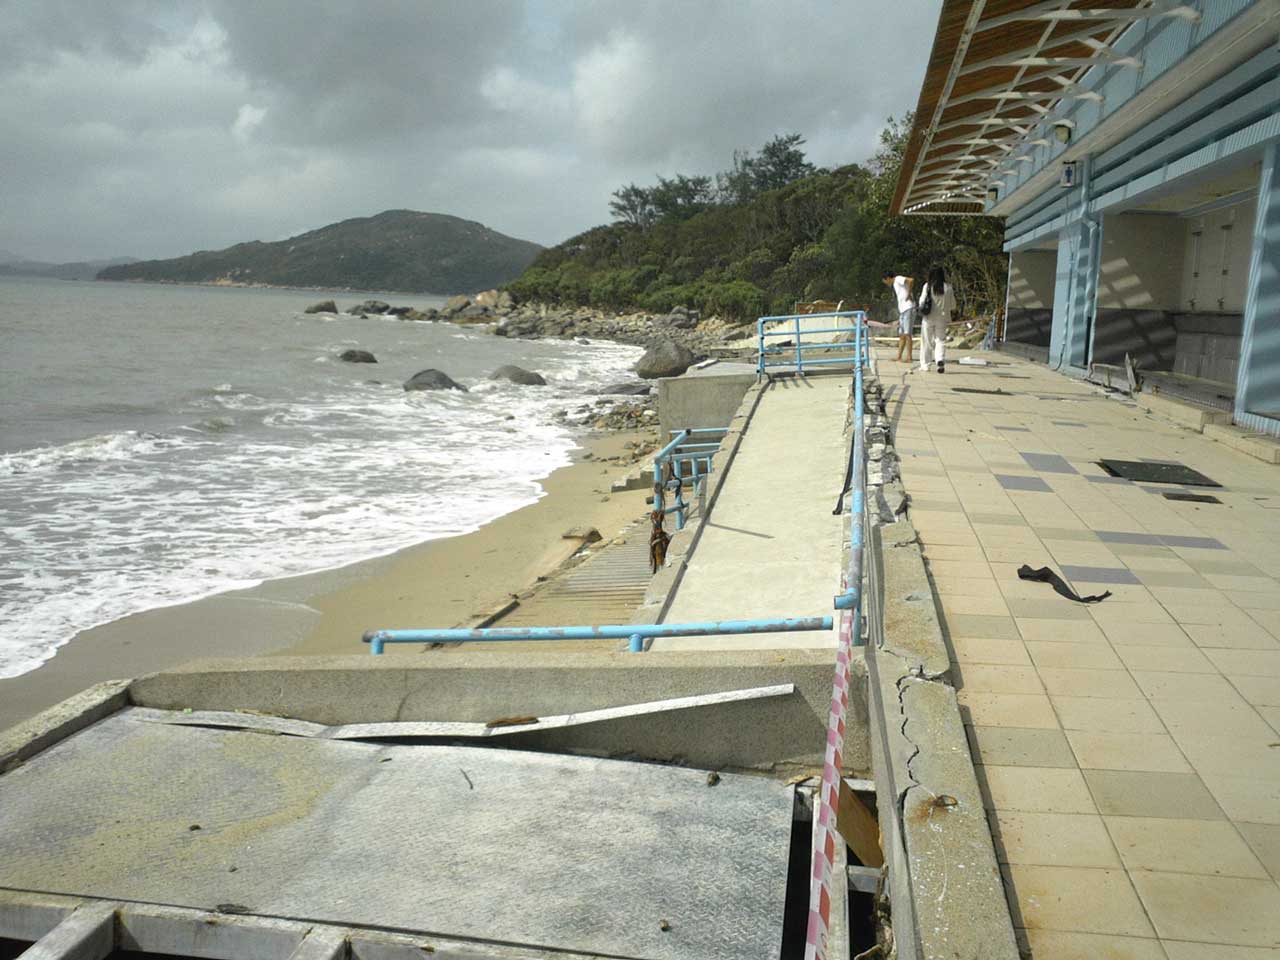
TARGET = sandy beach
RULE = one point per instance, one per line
(442, 582)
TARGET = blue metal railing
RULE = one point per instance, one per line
(832, 352)
(686, 457)
(685, 448)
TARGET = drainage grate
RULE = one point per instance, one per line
(1141, 471)
(998, 393)
(1191, 497)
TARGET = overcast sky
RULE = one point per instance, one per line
(153, 128)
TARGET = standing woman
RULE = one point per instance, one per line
(906, 309)
(937, 306)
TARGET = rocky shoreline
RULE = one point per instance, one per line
(674, 342)
(700, 335)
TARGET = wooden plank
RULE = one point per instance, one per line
(859, 827)
(88, 933)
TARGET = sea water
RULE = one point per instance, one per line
(161, 443)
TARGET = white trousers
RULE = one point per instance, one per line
(932, 329)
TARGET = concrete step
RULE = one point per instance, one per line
(1257, 445)
(1182, 412)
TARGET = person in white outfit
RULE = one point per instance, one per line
(937, 307)
(906, 309)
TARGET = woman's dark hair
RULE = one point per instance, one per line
(937, 280)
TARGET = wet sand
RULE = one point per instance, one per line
(440, 583)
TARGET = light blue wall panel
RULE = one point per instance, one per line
(1258, 384)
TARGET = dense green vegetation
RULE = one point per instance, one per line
(400, 250)
(764, 234)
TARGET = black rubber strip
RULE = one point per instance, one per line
(1045, 575)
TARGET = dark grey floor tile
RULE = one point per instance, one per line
(1124, 536)
(1199, 543)
(1048, 462)
(1010, 482)
(1098, 574)
(1019, 747)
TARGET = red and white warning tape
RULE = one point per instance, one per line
(822, 884)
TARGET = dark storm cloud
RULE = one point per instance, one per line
(154, 129)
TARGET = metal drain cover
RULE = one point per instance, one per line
(1143, 471)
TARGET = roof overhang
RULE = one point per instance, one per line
(999, 73)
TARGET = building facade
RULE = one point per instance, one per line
(1131, 148)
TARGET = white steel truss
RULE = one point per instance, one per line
(993, 142)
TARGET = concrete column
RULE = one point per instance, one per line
(1075, 281)
(1258, 383)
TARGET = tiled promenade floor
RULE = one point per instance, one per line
(1130, 749)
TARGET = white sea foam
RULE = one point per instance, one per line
(125, 522)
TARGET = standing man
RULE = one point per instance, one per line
(906, 310)
(937, 306)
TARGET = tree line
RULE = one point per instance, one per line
(771, 230)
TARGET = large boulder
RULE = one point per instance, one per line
(506, 301)
(432, 379)
(357, 356)
(526, 378)
(371, 306)
(456, 304)
(666, 358)
(474, 313)
(324, 306)
(487, 299)
(626, 389)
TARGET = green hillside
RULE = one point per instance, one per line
(756, 238)
(400, 250)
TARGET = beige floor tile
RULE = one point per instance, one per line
(1084, 900)
(1106, 716)
(1043, 608)
(966, 587)
(1108, 612)
(1225, 581)
(1232, 755)
(1264, 839)
(1015, 747)
(1129, 793)
(1255, 600)
(1052, 839)
(1064, 945)
(1226, 716)
(984, 628)
(1190, 596)
(1007, 710)
(1165, 658)
(1246, 799)
(1035, 789)
(1248, 636)
(946, 551)
(989, 651)
(1184, 846)
(1208, 614)
(994, 678)
(1247, 663)
(1182, 686)
(1060, 631)
(1271, 715)
(1147, 634)
(980, 606)
(1226, 910)
(1071, 682)
(1080, 656)
(969, 569)
(1184, 950)
(1127, 751)
(1264, 691)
